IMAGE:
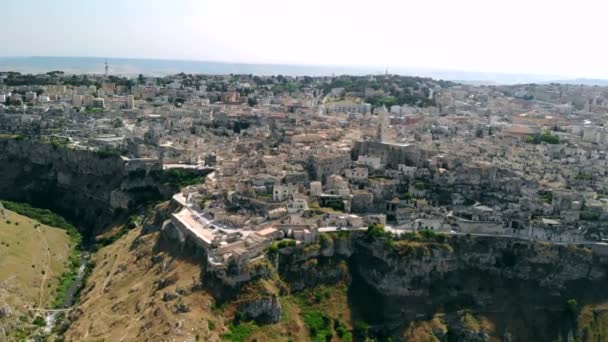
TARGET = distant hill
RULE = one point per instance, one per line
(583, 81)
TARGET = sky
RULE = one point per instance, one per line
(550, 37)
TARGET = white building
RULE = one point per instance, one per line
(281, 192)
(130, 102)
(316, 188)
(99, 102)
(297, 204)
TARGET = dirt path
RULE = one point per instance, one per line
(47, 268)
(109, 277)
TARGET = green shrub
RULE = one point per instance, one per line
(572, 306)
(545, 137)
(377, 230)
(361, 329)
(319, 325)
(107, 152)
(239, 332)
(39, 321)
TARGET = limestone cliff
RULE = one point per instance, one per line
(519, 288)
(89, 188)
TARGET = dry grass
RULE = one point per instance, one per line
(424, 331)
(31, 260)
(122, 302)
(592, 322)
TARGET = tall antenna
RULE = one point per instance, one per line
(107, 67)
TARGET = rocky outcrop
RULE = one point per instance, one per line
(5, 311)
(264, 310)
(314, 265)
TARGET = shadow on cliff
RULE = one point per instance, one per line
(522, 290)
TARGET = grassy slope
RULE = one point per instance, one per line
(31, 260)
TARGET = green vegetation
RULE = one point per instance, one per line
(545, 137)
(322, 311)
(67, 279)
(274, 248)
(203, 202)
(211, 325)
(94, 110)
(342, 331)
(319, 325)
(57, 272)
(181, 178)
(39, 321)
(377, 231)
(361, 330)
(239, 331)
(337, 205)
(589, 215)
(45, 216)
(57, 142)
(415, 243)
(283, 87)
(132, 222)
(107, 152)
(425, 235)
(583, 176)
(546, 196)
(572, 306)
(389, 89)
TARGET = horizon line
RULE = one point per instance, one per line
(363, 67)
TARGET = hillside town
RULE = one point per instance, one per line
(293, 157)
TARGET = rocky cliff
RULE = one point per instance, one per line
(89, 188)
(521, 288)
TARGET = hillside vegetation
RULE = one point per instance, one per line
(33, 258)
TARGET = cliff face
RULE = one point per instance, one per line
(519, 289)
(88, 188)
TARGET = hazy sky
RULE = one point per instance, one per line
(524, 36)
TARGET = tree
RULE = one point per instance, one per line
(252, 101)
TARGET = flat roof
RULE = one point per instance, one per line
(189, 220)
